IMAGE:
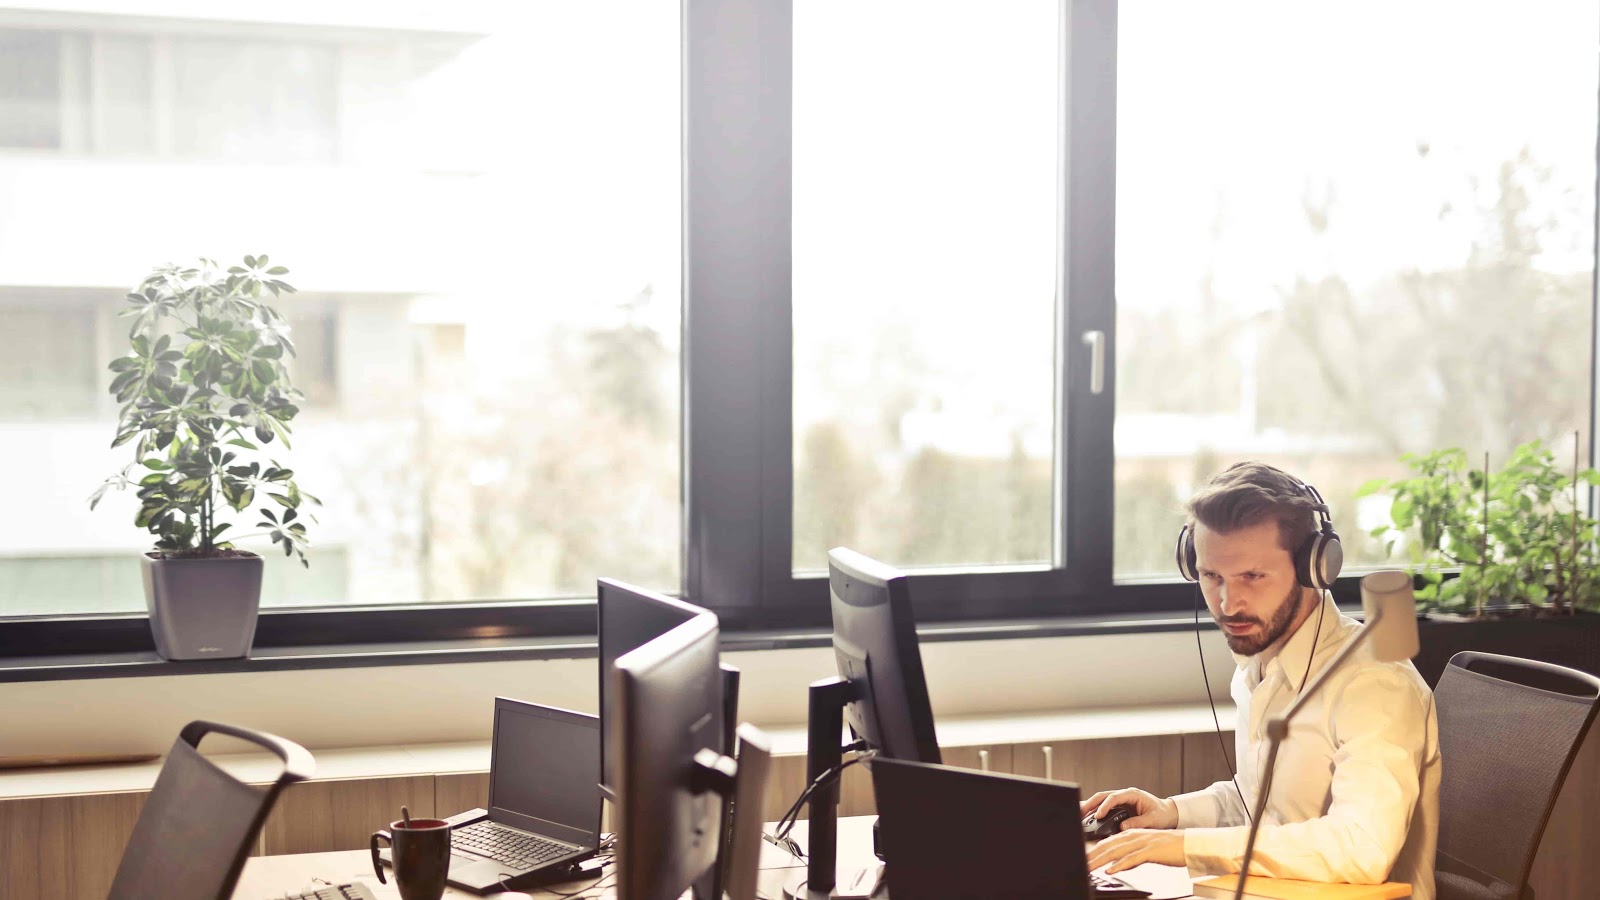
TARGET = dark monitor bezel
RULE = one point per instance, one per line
(617, 605)
(654, 861)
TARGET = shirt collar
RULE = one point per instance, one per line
(1291, 653)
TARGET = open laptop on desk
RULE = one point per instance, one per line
(952, 833)
(544, 801)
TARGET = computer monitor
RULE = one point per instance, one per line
(750, 786)
(666, 712)
(629, 617)
(875, 648)
(880, 692)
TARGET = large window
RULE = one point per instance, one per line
(1346, 231)
(688, 293)
(925, 257)
(483, 222)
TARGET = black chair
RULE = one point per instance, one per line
(199, 823)
(1508, 731)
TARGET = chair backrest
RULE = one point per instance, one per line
(1508, 731)
(199, 823)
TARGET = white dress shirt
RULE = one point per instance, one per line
(1355, 795)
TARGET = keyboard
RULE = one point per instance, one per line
(352, 891)
(1110, 887)
(503, 844)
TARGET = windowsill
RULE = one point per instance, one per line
(473, 756)
(268, 659)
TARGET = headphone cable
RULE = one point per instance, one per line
(1206, 677)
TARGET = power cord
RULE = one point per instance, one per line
(786, 822)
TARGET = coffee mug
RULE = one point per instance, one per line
(421, 854)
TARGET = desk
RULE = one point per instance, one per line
(268, 877)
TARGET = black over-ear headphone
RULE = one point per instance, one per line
(1317, 560)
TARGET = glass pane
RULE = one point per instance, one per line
(925, 247)
(488, 318)
(1346, 231)
(30, 89)
(270, 101)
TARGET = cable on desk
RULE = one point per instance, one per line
(786, 823)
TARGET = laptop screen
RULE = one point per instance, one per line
(544, 771)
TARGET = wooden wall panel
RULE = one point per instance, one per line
(1154, 763)
(64, 848)
(785, 781)
(459, 792)
(1000, 757)
(341, 815)
(1203, 760)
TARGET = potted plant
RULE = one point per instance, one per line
(1504, 560)
(204, 390)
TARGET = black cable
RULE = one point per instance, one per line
(785, 824)
(832, 772)
(1206, 677)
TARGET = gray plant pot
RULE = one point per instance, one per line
(202, 608)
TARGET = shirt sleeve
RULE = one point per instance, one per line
(1210, 807)
(1379, 726)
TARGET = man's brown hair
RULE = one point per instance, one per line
(1246, 494)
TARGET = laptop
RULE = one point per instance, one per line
(949, 833)
(544, 801)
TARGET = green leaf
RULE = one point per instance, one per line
(1402, 513)
(1372, 487)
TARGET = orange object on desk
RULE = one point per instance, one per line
(1220, 887)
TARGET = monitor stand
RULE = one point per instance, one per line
(825, 724)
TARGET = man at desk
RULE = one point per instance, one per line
(1355, 797)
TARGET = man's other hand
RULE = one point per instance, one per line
(1132, 848)
(1149, 811)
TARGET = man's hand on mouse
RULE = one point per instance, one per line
(1142, 845)
(1149, 811)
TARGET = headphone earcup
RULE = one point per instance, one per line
(1318, 561)
(1188, 567)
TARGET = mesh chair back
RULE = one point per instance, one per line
(1508, 731)
(199, 823)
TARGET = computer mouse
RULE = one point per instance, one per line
(1100, 829)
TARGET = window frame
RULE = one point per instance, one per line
(739, 191)
(736, 444)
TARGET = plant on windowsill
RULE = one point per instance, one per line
(203, 391)
(1512, 548)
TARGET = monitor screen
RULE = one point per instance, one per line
(629, 617)
(667, 706)
(875, 648)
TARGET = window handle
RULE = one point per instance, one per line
(1097, 360)
(1049, 763)
(983, 760)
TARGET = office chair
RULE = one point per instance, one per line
(1508, 731)
(199, 823)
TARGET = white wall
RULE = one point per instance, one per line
(324, 708)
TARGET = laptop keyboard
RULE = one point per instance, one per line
(1109, 887)
(507, 845)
